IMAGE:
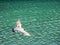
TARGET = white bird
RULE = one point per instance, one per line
(20, 29)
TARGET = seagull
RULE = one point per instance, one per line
(19, 28)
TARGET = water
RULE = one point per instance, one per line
(40, 19)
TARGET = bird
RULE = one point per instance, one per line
(19, 28)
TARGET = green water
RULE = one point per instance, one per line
(40, 19)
